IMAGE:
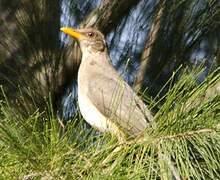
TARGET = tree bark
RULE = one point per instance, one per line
(148, 48)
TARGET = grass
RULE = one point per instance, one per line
(184, 145)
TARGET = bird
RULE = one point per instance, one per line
(105, 100)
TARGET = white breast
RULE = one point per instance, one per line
(91, 114)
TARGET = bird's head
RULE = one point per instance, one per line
(89, 39)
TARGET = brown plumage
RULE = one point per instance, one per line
(106, 101)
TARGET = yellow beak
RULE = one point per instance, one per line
(73, 33)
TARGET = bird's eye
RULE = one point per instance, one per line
(90, 34)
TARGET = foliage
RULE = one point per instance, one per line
(184, 144)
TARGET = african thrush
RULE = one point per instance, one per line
(106, 101)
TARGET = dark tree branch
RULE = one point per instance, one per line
(148, 47)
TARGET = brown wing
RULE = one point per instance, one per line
(117, 100)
